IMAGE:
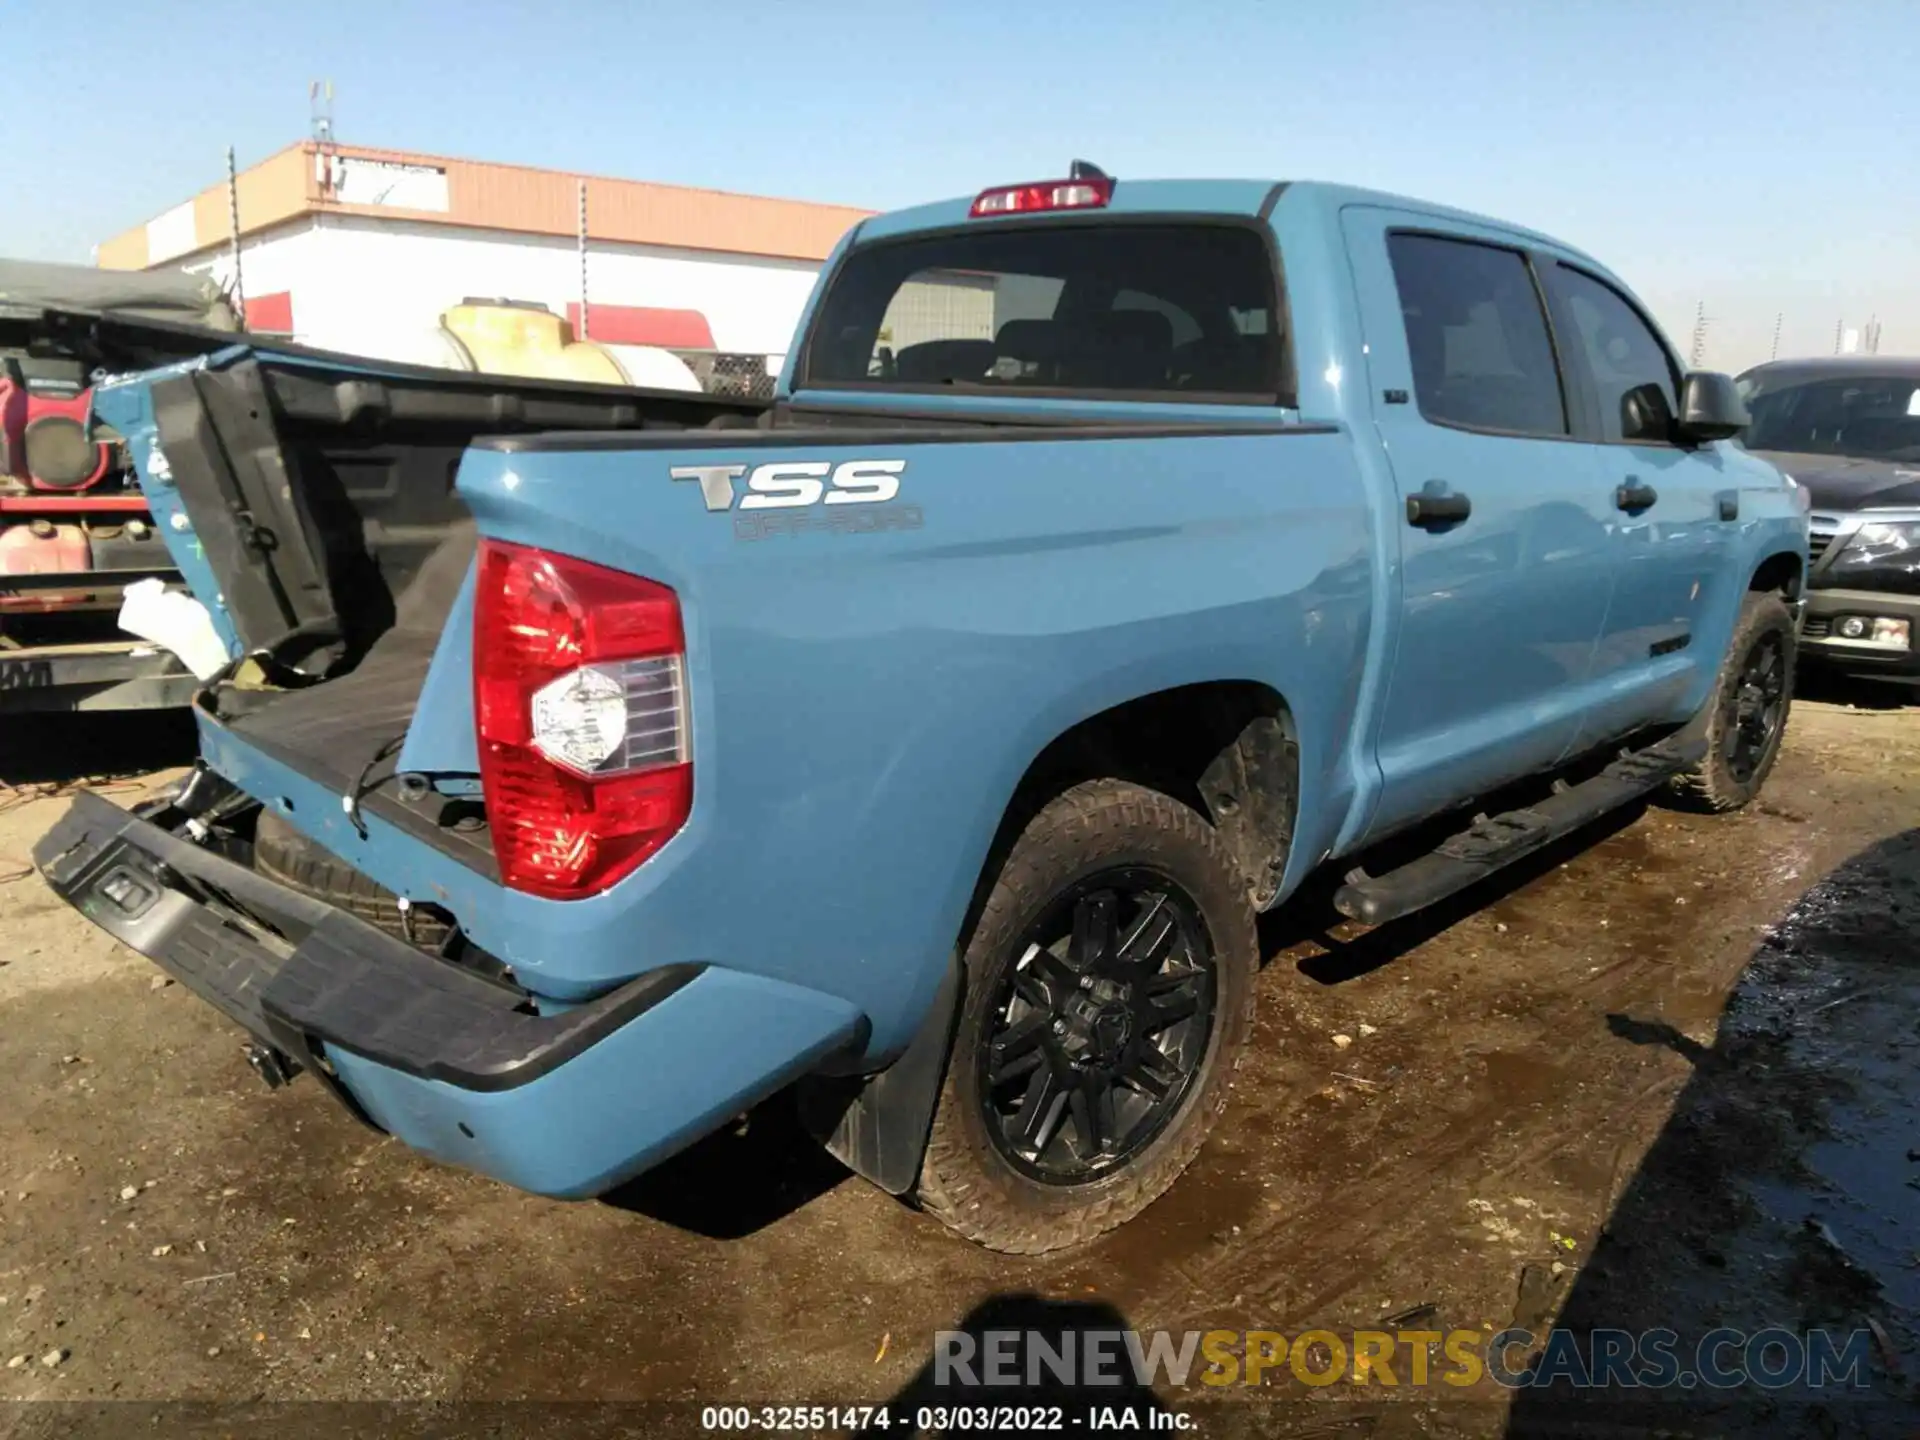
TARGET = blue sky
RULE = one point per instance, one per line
(1759, 156)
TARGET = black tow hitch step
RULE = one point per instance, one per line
(271, 1066)
(1493, 842)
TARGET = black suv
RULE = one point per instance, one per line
(1848, 429)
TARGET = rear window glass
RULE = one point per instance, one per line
(1094, 308)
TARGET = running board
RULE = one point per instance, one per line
(1496, 841)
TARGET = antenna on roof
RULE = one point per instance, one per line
(233, 239)
(1086, 170)
(320, 126)
(1701, 320)
(320, 110)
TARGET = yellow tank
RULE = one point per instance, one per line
(510, 337)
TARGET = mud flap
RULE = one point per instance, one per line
(877, 1125)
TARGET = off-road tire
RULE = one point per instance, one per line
(283, 853)
(964, 1180)
(1713, 785)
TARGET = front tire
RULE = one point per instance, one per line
(1108, 1001)
(1747, 712)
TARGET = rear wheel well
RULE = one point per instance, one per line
(1227, 748)
(1780, 573)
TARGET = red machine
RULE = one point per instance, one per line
(46, 442)
(51, 455)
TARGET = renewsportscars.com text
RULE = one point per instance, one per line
(1513, 1358)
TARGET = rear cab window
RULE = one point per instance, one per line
(1188, 309)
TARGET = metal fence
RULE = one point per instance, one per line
(729, 372)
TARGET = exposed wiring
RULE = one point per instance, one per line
(364, 785)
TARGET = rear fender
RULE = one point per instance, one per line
(1020, 584)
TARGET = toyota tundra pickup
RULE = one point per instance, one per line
(1115, 555)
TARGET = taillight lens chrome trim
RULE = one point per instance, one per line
(635, 710)
(657, 728)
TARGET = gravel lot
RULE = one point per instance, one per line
(1556, 1057)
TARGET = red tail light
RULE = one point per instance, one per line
(1084, 194)
(579, 687)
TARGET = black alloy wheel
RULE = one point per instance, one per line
(1100, 1027)
(1756, 704)
(1745, 719)
(1107, 1002)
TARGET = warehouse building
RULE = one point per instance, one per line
(366, 250)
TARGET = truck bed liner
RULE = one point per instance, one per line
(335, 730)
(344, 734)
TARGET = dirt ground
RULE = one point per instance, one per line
(1661, 1077)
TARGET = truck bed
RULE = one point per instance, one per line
(346, 623)
(323, 529)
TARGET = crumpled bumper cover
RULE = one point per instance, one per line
(455, 1065)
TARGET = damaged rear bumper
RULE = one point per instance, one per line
(458, 1066)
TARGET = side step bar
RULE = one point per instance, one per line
(1496, 841)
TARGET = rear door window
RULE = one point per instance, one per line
(1183, 309)
(1477, 336)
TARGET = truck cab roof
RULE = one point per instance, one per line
(1252, 198)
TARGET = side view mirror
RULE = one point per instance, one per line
(1645, 413)
(1711, 407)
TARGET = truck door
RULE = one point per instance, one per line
(1506, 565)
(1670, 532)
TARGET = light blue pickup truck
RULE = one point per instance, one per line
(592, 764)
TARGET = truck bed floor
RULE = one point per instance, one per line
(333, 731)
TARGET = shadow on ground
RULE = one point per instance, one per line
(1075, 1366)
(1783, 1194)
(1815, 682)
(738, 1179)
(56, 750)
(1351, 952)
(1041, 1343)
